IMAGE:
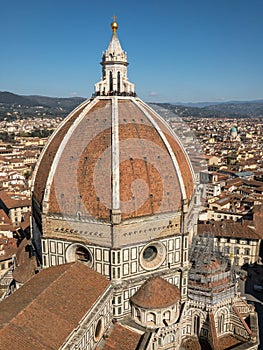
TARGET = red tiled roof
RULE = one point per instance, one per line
(228, 342)
(258, 219)
(44, 311)
(156, 293)
(82, 182)
(9, 247)
(4, 218)
(191, 343)
(49, 154)
(27, 266)
(10, 202)
(180, 155)
(122, 338)
(228, 229)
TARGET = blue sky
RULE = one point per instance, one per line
(179, 50)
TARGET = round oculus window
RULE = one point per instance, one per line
(152, 256)
(77, 252)
(150, 253)
(98, 330)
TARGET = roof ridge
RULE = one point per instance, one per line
(41, 293)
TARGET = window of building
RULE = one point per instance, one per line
(246, 261)
(150, 253)
(152, 256)
(226, 250)
(196, 324)
(236, 260)
(98, 330)
(82, 254)
(151, 318)
(247, 251)
(118, 82)
(221, 322)
(44, 246)
(111, 81)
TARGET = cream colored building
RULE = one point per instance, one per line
(237, 241)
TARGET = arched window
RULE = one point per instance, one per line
(99, 330)
(169, 338)
(111, 81)
(119, 82)
(166, 317)
(137, 314)
(221, 321)
(83, 255)
(151, 318)
(196, 324)
(247, 251)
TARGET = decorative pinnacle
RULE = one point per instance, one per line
(114, 24)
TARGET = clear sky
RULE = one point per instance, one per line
(178, 50)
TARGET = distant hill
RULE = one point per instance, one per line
(34, 100)
(208, 104)
(235, 109)
(10, 99)
(29, 106)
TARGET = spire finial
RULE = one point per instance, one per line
(114, 24)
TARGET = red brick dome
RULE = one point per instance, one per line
(156, 293)
(113, 158)
(113, 154)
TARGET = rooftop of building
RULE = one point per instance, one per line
(62, 295)
(156, 293)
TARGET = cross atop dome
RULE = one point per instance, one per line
(114, 68)
(114, 24)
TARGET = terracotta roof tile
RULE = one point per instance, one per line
(191, 343)
(77, 165)
(27, 266)
(50, 152)
(82, 182)
(228, 229)
(122, 338)
(180, 155)
(62, 295)
(228, 342)
(11, 202)
(156, 293)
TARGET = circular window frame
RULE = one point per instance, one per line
(98, 333)
(157, 260)
(71, 254)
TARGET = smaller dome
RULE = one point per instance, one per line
(233, 130)
(156, 293)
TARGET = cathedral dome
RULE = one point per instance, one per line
(113, 158)
(156, 293)
(113, 153)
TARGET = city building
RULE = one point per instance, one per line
(236, 240)
(16, 207)
(215, 312)
(113, 218)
